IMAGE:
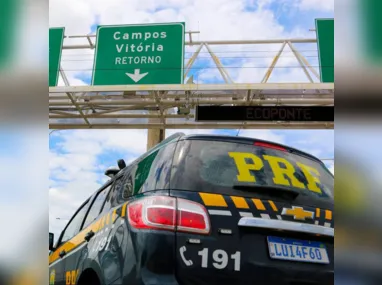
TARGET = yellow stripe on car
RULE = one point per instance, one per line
(74, 242)
(114, 216)
(124, 210)
(240, 202)
(274, 208)
(216, 200)
(259, 205)
(77, 240)
(328, 215)
(318, 212)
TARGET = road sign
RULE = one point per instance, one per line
(325, 43)
(9, 17)
(369, 33)
(56, 38)
(139, 54)
(265, 113)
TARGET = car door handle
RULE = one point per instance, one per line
(62, 253)
(89, 235)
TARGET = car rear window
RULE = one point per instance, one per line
(217, 166)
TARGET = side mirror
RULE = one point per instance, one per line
(111, 172)
(51, 241)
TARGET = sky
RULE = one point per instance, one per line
(78, 158)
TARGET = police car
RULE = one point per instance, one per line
(201, 209)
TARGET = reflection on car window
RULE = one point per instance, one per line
(96, 207)
(152, 172)
(74, 226)
(123, 189)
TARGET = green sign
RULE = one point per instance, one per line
(9, 17)
(325, 42)
(139, 54)
(370, 30)
(56, 38)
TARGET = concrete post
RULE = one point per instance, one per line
(154, 136)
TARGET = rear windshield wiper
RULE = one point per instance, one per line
(269, 190)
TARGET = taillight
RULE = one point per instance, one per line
(267, 145)
(192, 217)
(155, 212)
(168, 213)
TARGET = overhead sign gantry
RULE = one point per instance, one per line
(138, 83)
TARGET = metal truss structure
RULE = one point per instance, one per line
(173, 106)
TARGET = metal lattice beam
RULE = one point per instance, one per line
(271, 125)
(191, 43)
(134, 112)
(158, 106)
(279, 87)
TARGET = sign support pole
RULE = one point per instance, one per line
(154, 136)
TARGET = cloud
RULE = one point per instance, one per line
(188, 132)
(267, 135)
(317, 5)
(22, 165)
(75, 168)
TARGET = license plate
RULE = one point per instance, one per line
(297, 250)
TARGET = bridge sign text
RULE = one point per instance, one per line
(265, 113)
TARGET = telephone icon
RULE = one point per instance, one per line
(186, 261)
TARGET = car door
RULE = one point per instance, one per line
(65, 246)
(56, 270)
(111, 253)
(74, 264)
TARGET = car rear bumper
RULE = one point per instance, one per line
(260, 276)
(256, 267)
(154, 258)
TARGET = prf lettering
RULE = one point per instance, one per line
(281, 168)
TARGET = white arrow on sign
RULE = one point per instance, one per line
(137, 75)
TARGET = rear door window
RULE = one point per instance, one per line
(217, 166)
(123, 189)
(74, 226)
(96, 207)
